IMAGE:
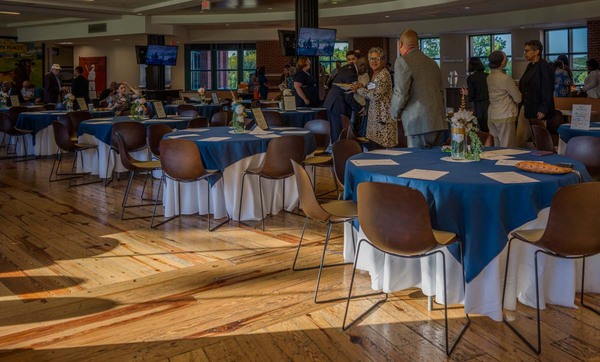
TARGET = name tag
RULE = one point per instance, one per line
(371, 85)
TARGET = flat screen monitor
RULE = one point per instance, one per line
(287, 40)
(161, 55)
(140, 54)
(316, 42)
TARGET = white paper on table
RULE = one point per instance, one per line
(509, 177)
(102, 122)
(490, 155)
(185, 135)
(375, 162)
(279, 128)
(197, 129)
(502, 162)
(215, 139)
(258, 130)
(581, 116)
(269, 135)
(100, 119)
(424, 174)
(594, 128)
(304, 110)
(389, 152)
(295, 132)
(507, 152)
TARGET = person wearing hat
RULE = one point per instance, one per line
(52, 85)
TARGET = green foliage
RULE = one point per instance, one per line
(431, 47)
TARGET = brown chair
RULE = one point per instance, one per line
(198, 122)
(395, 220)
(320, 129)
(276, 166)
(181, 162)
(572, 232)
(342, 150)
(542, 139)
(345, 121)
(76, 118)
(348, 134)
(273, 118)
(8, 128)
(487, 140)
(221, 119)
(155, 133)
(64, 143)
(322, 114)
(187, 110)
(134, 134)
(132, 165)
(586, 149)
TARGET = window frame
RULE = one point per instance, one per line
(329, 61)
(570, 53)
(484, 59)
(422, 40)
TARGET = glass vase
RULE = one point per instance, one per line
(238, 124)
(458, 145)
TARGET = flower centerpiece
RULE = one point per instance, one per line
(287, 92)
(3, 100)
(68, 101)
(464, 130)
(201, 92)
(138, 109)
(238, 117)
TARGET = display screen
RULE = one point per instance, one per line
(316, 42)
(161, 55)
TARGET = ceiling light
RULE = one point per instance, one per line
(117, 39)
(270, 8)
(9, 13)
(226, 24)
(387, 16)
(66, 43)
(467, 7)
(334, 2)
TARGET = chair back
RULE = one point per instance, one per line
(273, 118)
(279, 153)
(555, 121)
(76, 118)
(586, 149)
(64, 118)
(342, 150)
(133, 134)
(395, 218)
(155, 133)
(348, 134)
(126, 159)
(187, 112)
(573, 227)
(542, 139)
(180, 159)
(345, 121)
(320, 129)
(13, 112)
(6, 125)
(322, 114)
(487, 140)
(62, 134)
(198, 122)
(306, 194)
(221, 119)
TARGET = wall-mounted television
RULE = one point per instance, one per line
(161, 55)
(287, 39)
(316, 41)
(140, 54)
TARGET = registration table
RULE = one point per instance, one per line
(99, 132)
(482, 202)
(42, 143)
(565, 133)
(232, 154)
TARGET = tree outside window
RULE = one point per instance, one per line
(431, 48)
(481, 46)
(220, 66)
(339, 54)
(571, 42)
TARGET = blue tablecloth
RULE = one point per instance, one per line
(220, 154)
(101, 128)
(566, 133)
(481, 211)
(37, 121)
(204, 110)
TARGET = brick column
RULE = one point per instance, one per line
(593, 39)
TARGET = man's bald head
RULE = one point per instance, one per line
(409, 39)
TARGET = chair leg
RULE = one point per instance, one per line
(350, 296)
(582, 290)
(124, 203)
(466, 326)
(162, 179)
(262, 211)
(57, 157)
(208, 215)
(108, 179)
(241, 198)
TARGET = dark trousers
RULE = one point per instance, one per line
(335, 124)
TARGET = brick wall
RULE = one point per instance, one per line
(364, 44)
(594, 39)
(268, 54)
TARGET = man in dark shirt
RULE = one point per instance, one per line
(80, 85)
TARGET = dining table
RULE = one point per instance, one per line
(482, 202)
(566, 132)
(203, 109)
(297, 118)
(232, 153)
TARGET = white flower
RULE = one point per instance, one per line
(463, 118)
(287, 92)
(201, 91)
(239, 110)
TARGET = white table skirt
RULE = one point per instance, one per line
(562, 147)
(561, 277)
(194, 197)
(97, 165)
(44, 143)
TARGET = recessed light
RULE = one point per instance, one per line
(117, 39)
(9, 13)
(334, 2)
(66, 43)
(387, 16)
(270, 8)
(467, 7)
(139, 13)
(521, 27)
(226, 24)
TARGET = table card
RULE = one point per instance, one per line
(258, 130)
(215, 98)
(82, 104)
(513, 162)
(389, 152)
(582, 114)
(268, 135)
(259, 117)
(197, 129)
(14, 101)
(289, 103)
(490, 155)
(510, 177)
(159, 109)
(424, 174)
(382, 162)
(184, 135)
(215, 139)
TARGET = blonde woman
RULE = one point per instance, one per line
(305, 85)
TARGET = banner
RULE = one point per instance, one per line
(20, 62)
(94, 69)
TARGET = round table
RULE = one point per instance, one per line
(565, 132)
(204, 110)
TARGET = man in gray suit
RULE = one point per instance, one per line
(418, 97)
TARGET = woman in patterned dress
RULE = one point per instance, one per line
(382, 128)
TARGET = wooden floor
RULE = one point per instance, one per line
(79, 284)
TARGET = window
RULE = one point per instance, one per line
(339, 54)
(571, 42)
(482, 45)
(219, 66)
(431, 48)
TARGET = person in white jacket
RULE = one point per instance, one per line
(592, 81)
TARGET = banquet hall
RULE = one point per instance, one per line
(159, 218)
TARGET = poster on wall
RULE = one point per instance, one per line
(94, 69)
(21, 62)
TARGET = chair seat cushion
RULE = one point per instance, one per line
(529, 236)
(444, 237)
(318, 161)
(84, 146)
(341, 210)
(147, 165)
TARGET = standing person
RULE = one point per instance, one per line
(52, 85)
(339, 102)
(478, 91)
(418, 94)
(8, 90)
(565, 60)
(537, 88)
(382, 128)
(307, 91)
(504, 98)
(592, 81)
(80, 85)
(562, 81)
(263, 83)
